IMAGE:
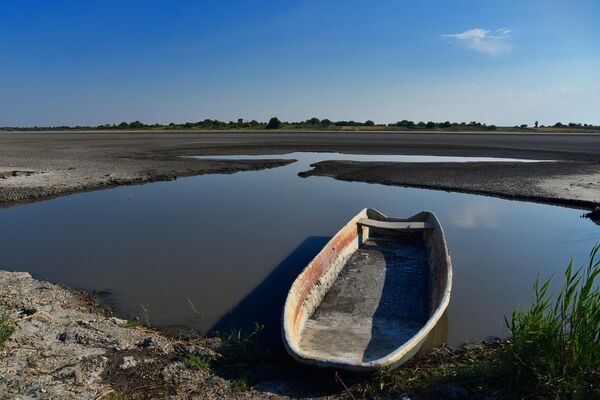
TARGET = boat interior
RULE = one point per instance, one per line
(379, 300)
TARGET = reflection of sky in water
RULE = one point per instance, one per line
(235, 242)
(476, 214)
(311, 157)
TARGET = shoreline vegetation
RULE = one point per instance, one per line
(552, 351)
(321, 124)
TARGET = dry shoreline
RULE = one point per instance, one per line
(19, 186)
(570, 184)
(40, 165)
(67, 345)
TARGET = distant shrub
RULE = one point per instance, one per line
(274, 123)
(326, 123)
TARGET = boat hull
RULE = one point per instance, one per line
(373, 297)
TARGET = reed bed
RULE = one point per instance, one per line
(556, 342)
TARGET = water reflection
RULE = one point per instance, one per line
(478, 214)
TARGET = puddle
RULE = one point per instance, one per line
(217, 251)
(315, 157)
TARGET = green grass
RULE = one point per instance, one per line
(245, 346)
(556, 343)
(473, 371)
(116, 395)
(197, 362)
(7, 327)
(130, 324)
(243, 383)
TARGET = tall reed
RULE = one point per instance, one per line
(556, 343)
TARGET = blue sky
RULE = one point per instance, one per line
(501, 62)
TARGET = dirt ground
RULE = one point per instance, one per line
(67, 345)
(37, 165)
(567, 183)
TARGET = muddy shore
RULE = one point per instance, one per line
(67, 345)
(38, 165)
(570, 184)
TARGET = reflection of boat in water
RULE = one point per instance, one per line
(373, 297)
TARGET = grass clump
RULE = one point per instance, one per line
(197, 362)
(245, 346)
(243, 383)
(116, 395)
(556, 343)
(445, 373)
(7, 327)
(130, 324)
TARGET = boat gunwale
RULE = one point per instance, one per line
(408, 348)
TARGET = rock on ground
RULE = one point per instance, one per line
(67, 346)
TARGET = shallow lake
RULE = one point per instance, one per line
(215, 252)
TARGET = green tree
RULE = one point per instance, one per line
(369, 123)
(274, 123)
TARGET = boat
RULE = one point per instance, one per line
(373, 297)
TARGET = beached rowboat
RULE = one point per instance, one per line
(373, 297)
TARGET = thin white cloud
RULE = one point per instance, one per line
(503, 33)
(483, 41)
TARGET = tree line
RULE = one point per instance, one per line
(312, 123)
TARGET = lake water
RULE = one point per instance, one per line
(214, 252)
